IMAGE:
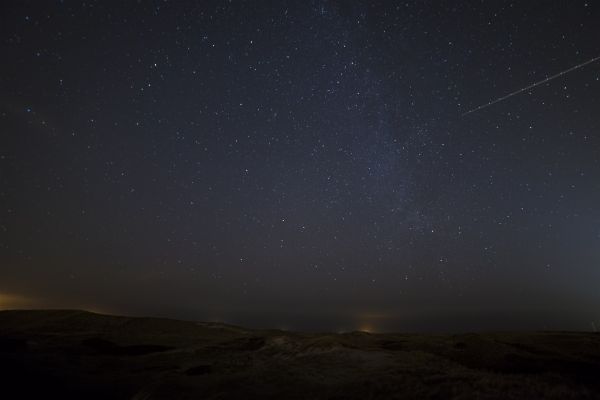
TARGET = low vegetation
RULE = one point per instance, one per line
(77, 354)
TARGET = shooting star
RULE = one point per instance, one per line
(548, 79)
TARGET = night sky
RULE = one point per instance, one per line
(303, 164)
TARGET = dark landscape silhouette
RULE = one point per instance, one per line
(79, 354)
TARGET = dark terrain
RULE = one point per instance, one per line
(78, 354)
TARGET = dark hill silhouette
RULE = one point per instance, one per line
(78, 354)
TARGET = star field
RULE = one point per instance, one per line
(303, 164)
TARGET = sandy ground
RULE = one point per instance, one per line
(77, 354)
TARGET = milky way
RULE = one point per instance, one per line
(302, 164)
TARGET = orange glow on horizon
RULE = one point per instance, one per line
(368, 328)
(11, 301)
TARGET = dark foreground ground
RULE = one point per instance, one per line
(77, 354)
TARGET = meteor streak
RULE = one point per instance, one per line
(548, 79)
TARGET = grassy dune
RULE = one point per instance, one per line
(77, 354)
